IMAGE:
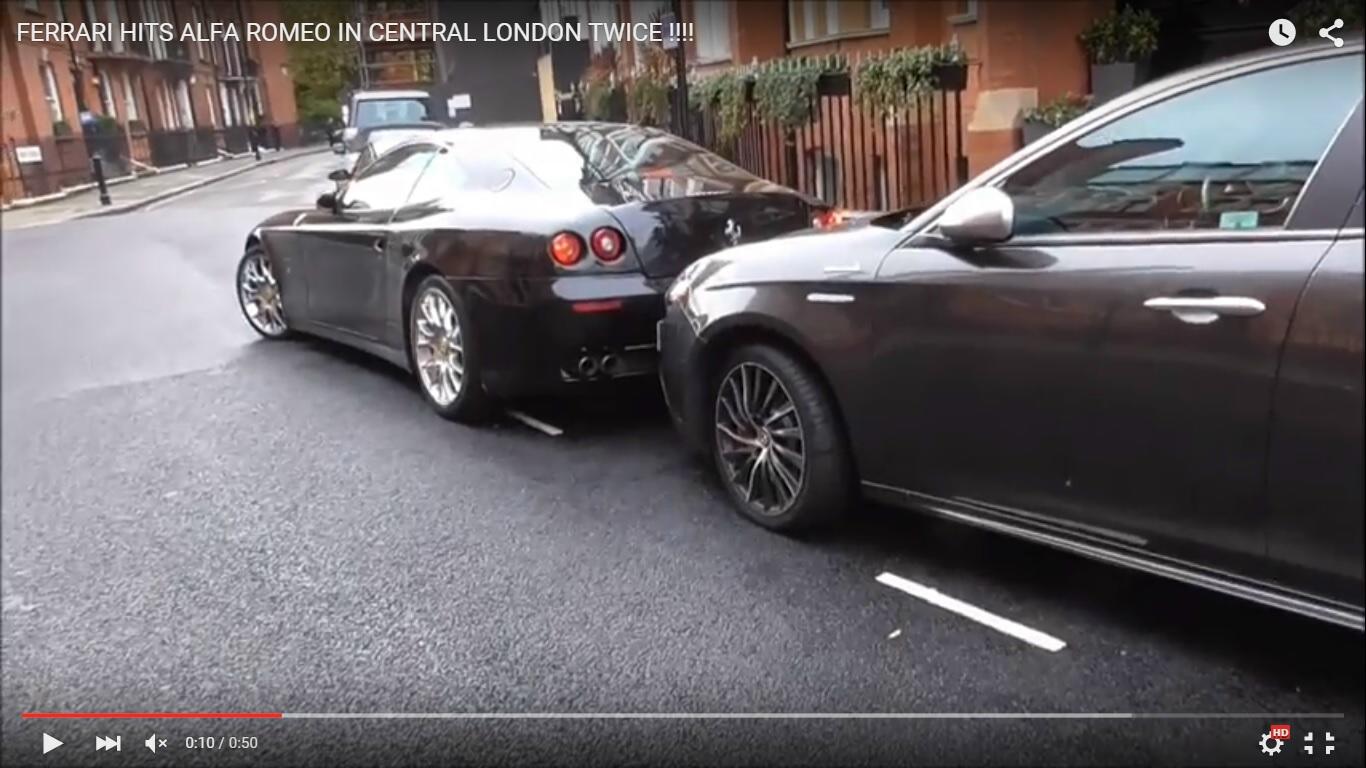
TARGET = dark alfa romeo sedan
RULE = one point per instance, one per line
(1139, 339)
(507, 261)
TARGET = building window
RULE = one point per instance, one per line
(389, 67)
(111, 15)
(713, 29)
(155, 12)
(106, 89)
(199, 21)
(229, 119)
(208, 101)
(31, 6)
(186, 109)
(51, 95)
(164, 106)
(130, 99)
(644, 12)
(818, 19)
(92, 16)
(964, 12)
(59, 10)
(586, 11)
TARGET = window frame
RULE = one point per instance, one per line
(52, 93)
(724, 48)
(996, 176)
(430, 149)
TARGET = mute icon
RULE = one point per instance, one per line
(151, 742)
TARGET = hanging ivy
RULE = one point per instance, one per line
(892, 81)
(785, 88)
(723, 92)
(648, 92)
(597, 98)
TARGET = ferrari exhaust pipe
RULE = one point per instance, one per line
(588, 367)
(611, 365)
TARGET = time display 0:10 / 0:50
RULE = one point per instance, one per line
(220, 742)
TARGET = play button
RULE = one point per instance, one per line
(50, 743)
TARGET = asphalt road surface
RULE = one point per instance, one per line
(197, 520)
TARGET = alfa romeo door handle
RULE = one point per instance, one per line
(1203, 310)
(378, 245)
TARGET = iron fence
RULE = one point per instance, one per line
(38, 168)
(847, 155)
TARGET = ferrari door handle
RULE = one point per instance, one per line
(378, 245)
(1203, 310)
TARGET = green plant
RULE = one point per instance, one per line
(784, 88)
(136, 126)
(723, 92)
(1058, 111)
(648, 91)
(106, 124)
(61, 128)
(892, 81)
(321, 71)
(597, 97)
(1312, 15)
(1128, 35)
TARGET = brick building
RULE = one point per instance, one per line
(136, 104)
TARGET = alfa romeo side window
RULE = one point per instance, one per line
(385, 184)
(1231, 155)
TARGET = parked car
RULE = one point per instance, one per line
(1138, 339)
(374, 142)
(369, 109)
(506, 261)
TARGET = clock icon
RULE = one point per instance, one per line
(1281, 32)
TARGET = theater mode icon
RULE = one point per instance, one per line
(104, 743)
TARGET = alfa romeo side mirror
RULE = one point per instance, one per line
(983, 216)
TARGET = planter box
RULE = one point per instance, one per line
(1111, 80)
(1033, 130)
(950, 77)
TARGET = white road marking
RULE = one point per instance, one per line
(535, 423)
(1000, 624)
(895, 634)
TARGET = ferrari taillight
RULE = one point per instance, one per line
(828, 218)
(607, 244)
(566, 249)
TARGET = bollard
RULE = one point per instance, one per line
(255, 142)
(97, 165)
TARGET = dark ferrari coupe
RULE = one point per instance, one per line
(495, 262)
(1138, 339)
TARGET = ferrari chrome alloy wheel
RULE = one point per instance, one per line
(438, 348)
(260, 295)
(759, 438)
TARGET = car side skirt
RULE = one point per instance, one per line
(1122, 555)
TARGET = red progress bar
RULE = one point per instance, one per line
(153, 715)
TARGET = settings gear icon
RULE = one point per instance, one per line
(1270, 744)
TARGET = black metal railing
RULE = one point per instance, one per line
(849, 156)
(38, 168)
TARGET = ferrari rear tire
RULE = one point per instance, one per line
(778, 442)
(444, 355)
(259, 296)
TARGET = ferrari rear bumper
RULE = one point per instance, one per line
(542, 336)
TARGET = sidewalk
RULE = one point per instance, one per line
(134, 193)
